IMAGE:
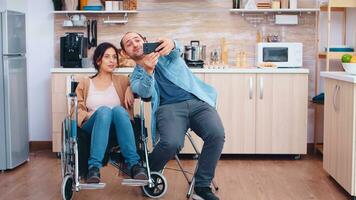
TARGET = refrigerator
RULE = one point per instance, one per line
(14, 133)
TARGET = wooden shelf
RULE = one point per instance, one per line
(334, 55)
(266, 11)
(325, 9)
(343, 3)
(94, 12)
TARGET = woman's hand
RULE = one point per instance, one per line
(166, 46)
(89, 114)
(129, 98)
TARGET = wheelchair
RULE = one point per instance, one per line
(75, 152)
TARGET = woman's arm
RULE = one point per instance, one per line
(83, 113)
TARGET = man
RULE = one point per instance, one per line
(179, 101)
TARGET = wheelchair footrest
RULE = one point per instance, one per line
(134, 182)
(92, 186)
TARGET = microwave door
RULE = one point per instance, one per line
(276, 55)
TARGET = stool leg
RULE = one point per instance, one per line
(191, 186)
(181, 168)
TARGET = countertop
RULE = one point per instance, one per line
(342, 76)
(212, 70)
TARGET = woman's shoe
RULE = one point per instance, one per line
(93, 175)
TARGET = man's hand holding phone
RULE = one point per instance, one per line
(149, 62)
(152, 52)
(164, 46)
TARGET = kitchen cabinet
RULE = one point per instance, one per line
(236, 107)
(281, 113)
(262, 113)
(339, 132)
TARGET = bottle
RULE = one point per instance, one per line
(83, 3)
(235, 4)
(282, 34)
(243, 59)
(284, 4)
(263, 33)
(238, 60)
(259, 36)
(276, 4)
(224, 52)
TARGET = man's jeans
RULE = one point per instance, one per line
(100, 124)
(173, 120)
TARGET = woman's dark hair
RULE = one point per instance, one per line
(122, 43)
(99, 53)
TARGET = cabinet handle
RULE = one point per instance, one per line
(250, 91)
(336, 90)
(261, 87)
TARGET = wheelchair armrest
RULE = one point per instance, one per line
(148, 99)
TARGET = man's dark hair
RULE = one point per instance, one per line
(122, 43)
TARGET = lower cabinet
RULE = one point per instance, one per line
(339, 132)
(261, 113)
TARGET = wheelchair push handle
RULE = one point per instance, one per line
(73, 86)
(148, 99)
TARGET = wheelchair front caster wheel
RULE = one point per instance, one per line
(67, 187)
(159, 186)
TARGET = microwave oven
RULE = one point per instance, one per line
(282, 54)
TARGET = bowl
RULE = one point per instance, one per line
(350, 68)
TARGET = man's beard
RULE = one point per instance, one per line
(137, 57)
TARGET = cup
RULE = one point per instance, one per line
(108, 6)
(276, 4)
(67, 23)
(115, 5)
(74, 17)
(293, 4)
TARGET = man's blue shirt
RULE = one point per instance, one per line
(175, 70)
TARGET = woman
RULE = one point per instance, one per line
(101, 102)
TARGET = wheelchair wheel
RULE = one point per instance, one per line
(159, 188)
(67, 187)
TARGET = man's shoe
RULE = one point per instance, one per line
(138, 172)
(93, 175)
(204, 193)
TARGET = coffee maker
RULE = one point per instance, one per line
(73, 47)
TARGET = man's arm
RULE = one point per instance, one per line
(176, 51)
(141, 82)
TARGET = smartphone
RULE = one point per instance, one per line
(150, 47)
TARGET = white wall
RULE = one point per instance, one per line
(2, 5)
(16, 5)
(40, 59)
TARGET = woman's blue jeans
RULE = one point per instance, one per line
(99, 125)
